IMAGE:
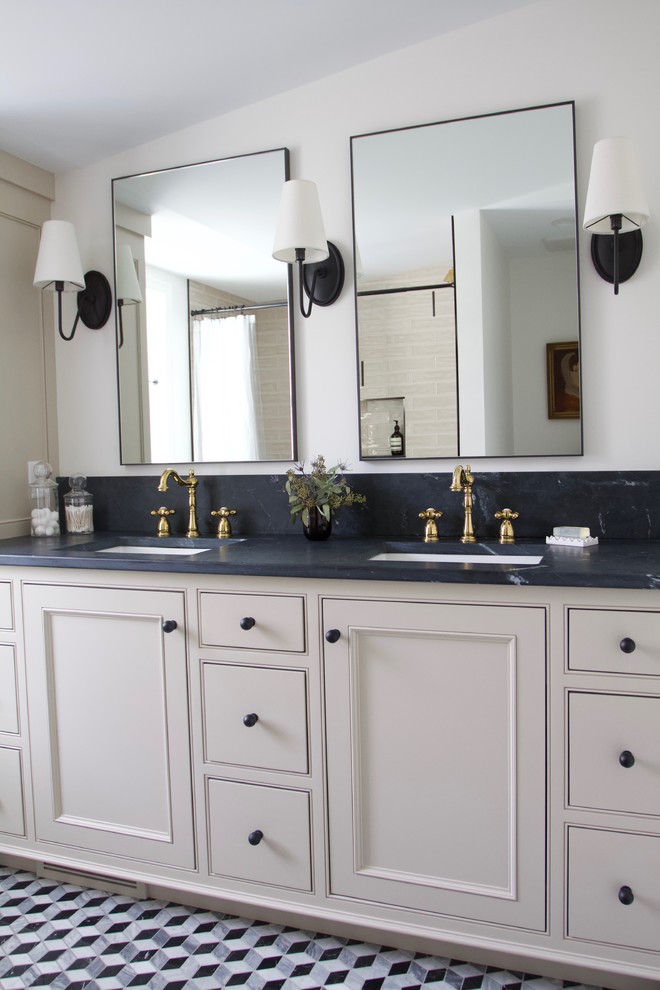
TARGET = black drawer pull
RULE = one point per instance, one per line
(627, 645)
(254, 838)
(247, 622)
(250, 719)
(169, 625)
(332, 635)
(626, 895)
(626, 759)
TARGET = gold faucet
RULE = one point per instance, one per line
(431, 527)
(506, 528)
(191, 484)
(462, 480)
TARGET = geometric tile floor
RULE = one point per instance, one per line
(67, 937)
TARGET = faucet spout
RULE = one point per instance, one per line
(191, 484)
(463, 480)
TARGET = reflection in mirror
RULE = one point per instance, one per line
(466, 269)
(204, 333)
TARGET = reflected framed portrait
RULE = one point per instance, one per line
(563, 371)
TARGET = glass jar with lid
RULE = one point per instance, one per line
(44, 513)
(78, 506)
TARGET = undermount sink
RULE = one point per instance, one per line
(171, 546)
(477, 553)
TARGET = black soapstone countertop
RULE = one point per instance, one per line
(610, 564)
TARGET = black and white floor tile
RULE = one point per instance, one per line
(66, 937)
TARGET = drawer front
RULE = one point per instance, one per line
(8, 693)
(600, 864)
(6, 606)
(12, 817)
(255, 716)
(238, 813)
(614, 752)
(252, 622)
(614, 641)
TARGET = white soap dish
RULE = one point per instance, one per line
(572, 541)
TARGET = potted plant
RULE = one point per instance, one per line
(315, 494)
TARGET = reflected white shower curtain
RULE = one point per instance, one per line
(226, 409)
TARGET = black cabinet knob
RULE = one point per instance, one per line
(247, 622)
(250, 719)
(626, 759)
(627, 645)
(626, 895)
(332, 635)
(169, 625)
(254, 838)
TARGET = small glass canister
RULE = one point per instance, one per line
(45, 513)
(78, 507)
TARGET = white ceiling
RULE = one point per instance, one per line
(81, 80)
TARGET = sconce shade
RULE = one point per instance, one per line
(615, 187)
(128, 287)
(58, 260)
(300, 224)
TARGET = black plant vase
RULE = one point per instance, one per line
(318, 528)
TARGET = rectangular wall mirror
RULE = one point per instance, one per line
(204, 330)
(466, 264)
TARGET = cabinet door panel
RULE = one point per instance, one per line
(602, 727)
(6, 610)
(277, 817)
(12, 818)
(436, 757)
(600, 863)
(277, 622)
(8, 692)
(107, 693)
(595, 637)
(278, 698)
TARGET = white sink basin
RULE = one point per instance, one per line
(160, 550)
(507, 560)
(169, 546)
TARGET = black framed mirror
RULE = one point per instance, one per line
(205, 358)
(465, 236)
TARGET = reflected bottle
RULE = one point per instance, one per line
(396, 441)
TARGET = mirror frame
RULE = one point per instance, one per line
(290, 322)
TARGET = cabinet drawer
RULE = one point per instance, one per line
(255, 716)
(614, 752)
(614, 641)
(6, 606)
(269, 622)
(600, 864)
(259, 833)
(8, 692)
(12, 818)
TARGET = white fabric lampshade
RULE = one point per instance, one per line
(300, 224)
(615, 186)
(59, 259)
(128, 287)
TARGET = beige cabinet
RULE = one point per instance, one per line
(108, 709)
(437, 757)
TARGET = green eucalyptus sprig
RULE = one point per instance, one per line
(323, 488)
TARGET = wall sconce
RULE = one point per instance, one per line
(59, 270)
(129, 292)
(300, 238)
(615, 210)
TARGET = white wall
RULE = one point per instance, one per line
(601, 53)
